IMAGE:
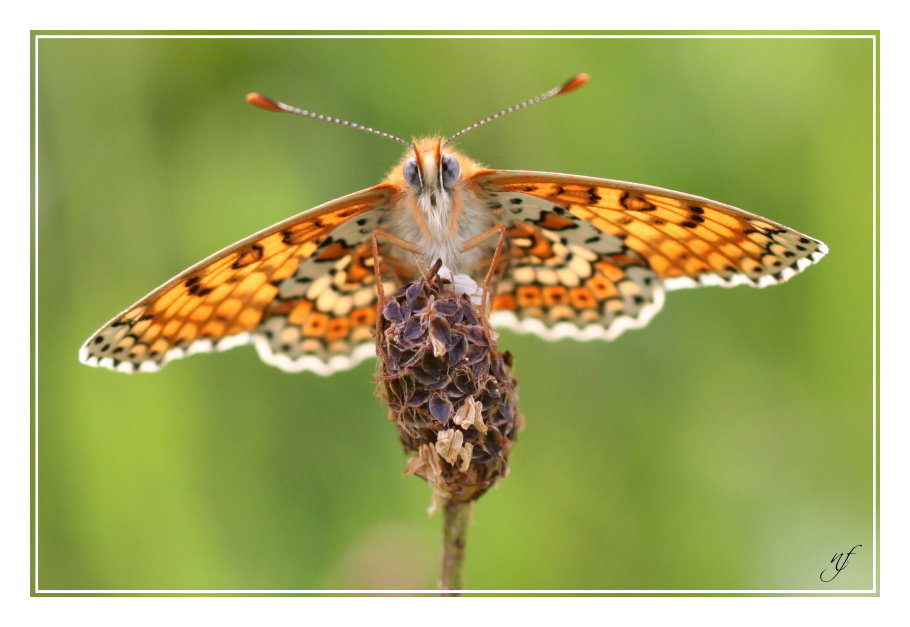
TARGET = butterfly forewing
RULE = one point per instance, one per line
(236, 295)
(591, 257)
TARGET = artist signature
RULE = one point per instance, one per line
(840, 561)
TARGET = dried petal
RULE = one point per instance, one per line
(391, 311)
(417, 466)
(446, 308)
(469, 316)
(440, 336)
(441, 409)
(418, 398)
(457, 352)
(449, 444)
(465, 455)
(470, 415)
(414, 294)
(412, 329)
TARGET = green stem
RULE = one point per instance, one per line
(456, 516)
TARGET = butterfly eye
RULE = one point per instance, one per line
(450, 170)
(412, 173)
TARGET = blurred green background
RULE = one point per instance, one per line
(727, 446)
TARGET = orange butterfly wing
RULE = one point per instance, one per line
(641, 235)
(222, 301)
(696, 240)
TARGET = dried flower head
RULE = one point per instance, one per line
(449, 390)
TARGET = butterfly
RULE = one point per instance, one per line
(572, 256)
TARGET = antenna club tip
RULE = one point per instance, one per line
(261, 101)
(574, 83)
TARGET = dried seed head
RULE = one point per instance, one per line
(449, 391)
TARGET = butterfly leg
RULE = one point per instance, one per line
(494, 264)
(409, 246)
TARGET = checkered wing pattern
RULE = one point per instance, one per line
(590, 258)
(302, 290)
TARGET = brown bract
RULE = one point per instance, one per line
(449, 390)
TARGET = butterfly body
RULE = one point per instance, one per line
(439, 215)
(582, 257)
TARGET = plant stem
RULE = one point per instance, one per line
(456, 516)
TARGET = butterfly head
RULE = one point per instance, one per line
(429, 169)
(434, 181)
(432, 174)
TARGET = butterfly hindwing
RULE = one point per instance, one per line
(565, 278)
(323, 316)
(225, 300)
(655, 238)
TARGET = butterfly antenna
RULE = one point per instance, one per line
(573, 83)
(274, 105)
